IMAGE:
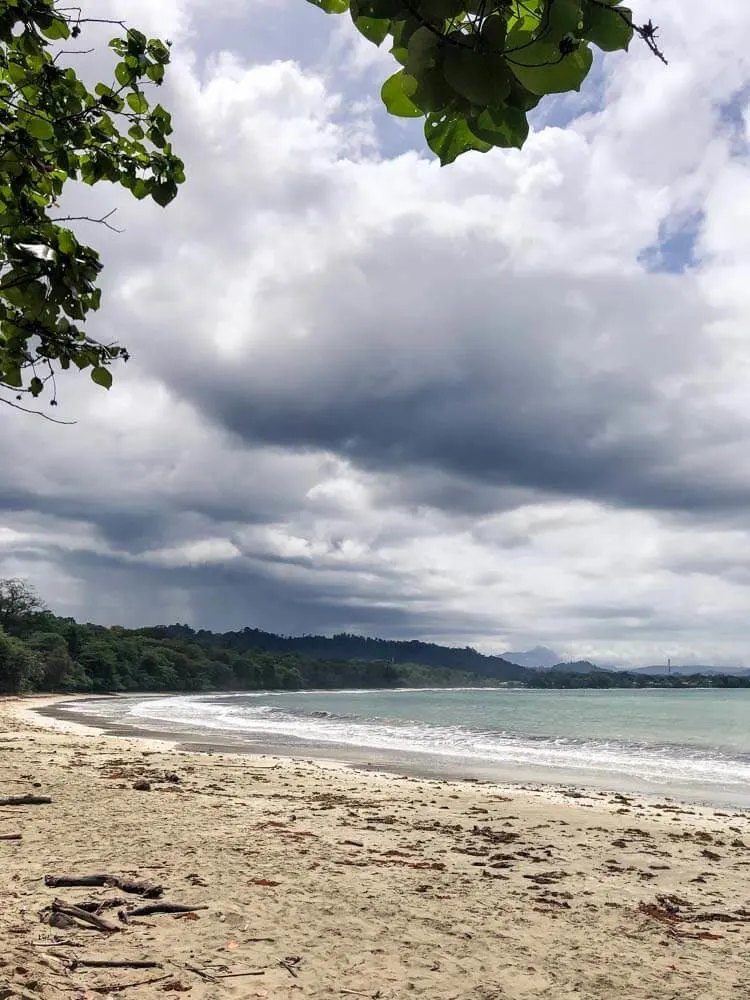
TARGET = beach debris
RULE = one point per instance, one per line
(237, 975)
(175, 986)
(142, 785)
(163, 907)
(26, 800)
(291, 963)
(495, 836)
(100, 963)
(119, 987)
(263, 881)
(671, 910)
(50, 915)
(146, 889)
(10, 836)
(100, 905)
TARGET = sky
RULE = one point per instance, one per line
(501, 403)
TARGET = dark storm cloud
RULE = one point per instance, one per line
(540, 384)
(235, 596)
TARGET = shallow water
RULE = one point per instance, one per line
(691, 744)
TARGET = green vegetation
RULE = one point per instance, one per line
(54, 129)
(473, 69)
(42, 652)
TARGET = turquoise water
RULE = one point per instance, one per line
(690, 743)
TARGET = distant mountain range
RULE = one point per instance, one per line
(539, 658)
(688, 668)
(544, 658)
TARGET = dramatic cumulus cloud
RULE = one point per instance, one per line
(500, 403)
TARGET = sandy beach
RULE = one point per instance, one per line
(316, 880)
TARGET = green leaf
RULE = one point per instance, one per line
(608, 28)
(66, 242)
(495, 33)
(563, 18)
(124, 74)
(430, 91)
(441, 10)
(155, 72)
(394, 98)
(102, 377)
(481, 78)
(505, 127)
(331, 6)
(374, 29)
(449, 136)
(137, 41)
(39, 127)
(164, 193)
(56, 29)
(542, 70)
(137, 102)
(422, 51)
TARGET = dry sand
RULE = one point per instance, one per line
(335, 883)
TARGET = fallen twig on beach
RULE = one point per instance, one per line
(10, 836)
(236, 975)
(100, 963)
(290, 964)
(208, 976)
(146, 889)
(118, 987)
(26, 800)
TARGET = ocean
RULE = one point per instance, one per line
(687, 744)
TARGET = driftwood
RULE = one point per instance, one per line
(163, 907)
(99, 905)
(26, 800)
(69, 910)
(10, 836)
(96, 963)
(146, 889)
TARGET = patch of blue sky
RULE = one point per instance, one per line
(733, 118)
(673, 252)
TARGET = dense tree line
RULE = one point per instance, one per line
(40, 651)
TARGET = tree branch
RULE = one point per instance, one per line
(37, 413)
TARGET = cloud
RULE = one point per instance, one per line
(368, 393)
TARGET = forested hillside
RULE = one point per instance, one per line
(40, 651)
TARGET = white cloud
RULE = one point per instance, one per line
(378, 394)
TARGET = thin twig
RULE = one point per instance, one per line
(236, 975)
(37, 413)
(96, 963)
(87, 218)
(127, 986)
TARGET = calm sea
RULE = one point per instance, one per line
(690, 744)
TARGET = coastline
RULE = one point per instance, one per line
(394, 886)
(417, 764)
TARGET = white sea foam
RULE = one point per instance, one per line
(657, 764)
